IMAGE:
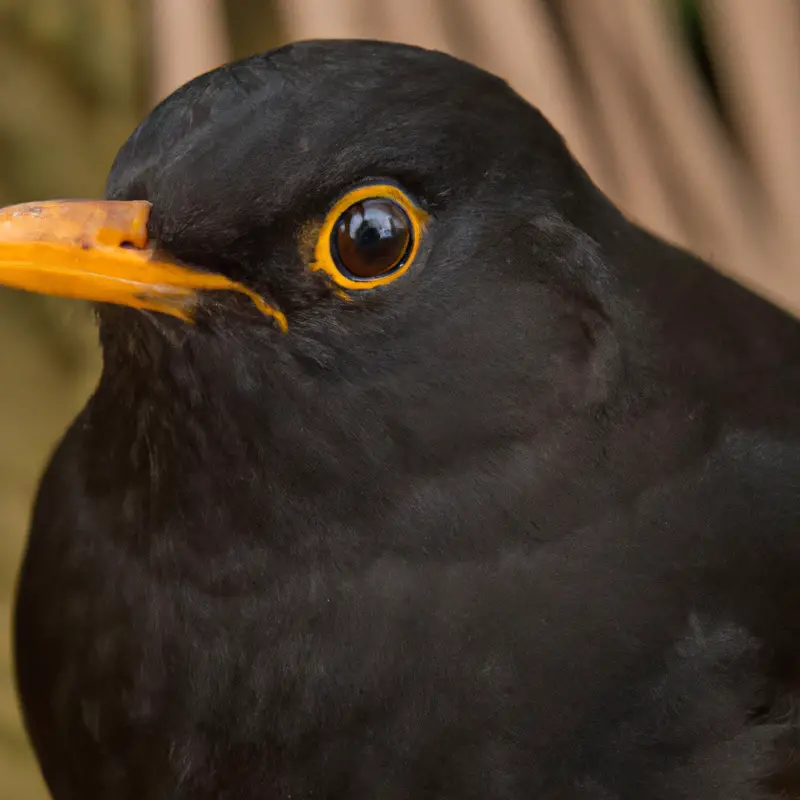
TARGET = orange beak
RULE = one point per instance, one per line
(98, 250)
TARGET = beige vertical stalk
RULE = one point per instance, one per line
(757, 49)
(188, 38)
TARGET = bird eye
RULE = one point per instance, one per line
(370, 237)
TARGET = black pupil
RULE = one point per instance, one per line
(372, 238)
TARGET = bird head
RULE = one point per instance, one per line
(359, 267)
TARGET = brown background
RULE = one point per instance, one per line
(687, 112)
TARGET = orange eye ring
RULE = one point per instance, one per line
(370, 237)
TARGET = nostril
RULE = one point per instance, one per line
(128, 245)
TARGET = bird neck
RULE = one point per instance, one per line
(184, 466)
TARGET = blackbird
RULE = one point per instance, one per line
(415, 469)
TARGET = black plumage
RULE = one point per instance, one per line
(522, 523)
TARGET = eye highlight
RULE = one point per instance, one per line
(370, 237)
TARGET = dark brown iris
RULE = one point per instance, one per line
(372, 238)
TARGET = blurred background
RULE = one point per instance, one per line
(686, 112)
